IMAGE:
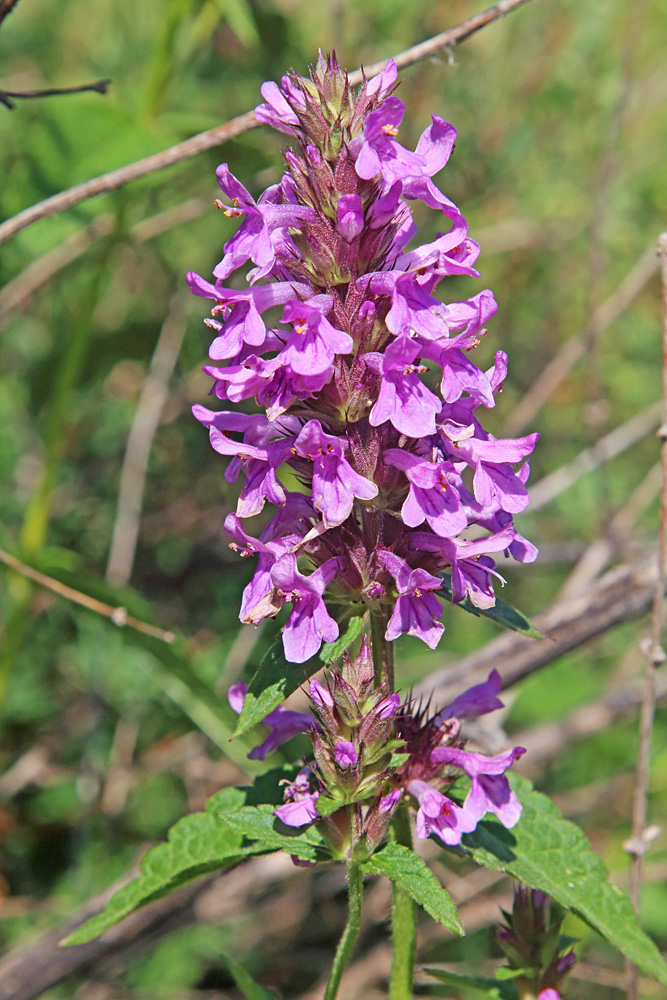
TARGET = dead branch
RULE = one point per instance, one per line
(144, 425)
(118, 615)
(573, 349)
(237, 126)
(612, 444)
(655, 655)
(7, 97)
(623, 594)
(16, 292)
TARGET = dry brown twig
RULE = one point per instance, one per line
(610, 446)
(237, 126)
(573, 349)
(118, 615)
(140, 439)
(655, 655)
(16, 292)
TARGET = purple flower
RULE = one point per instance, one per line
(309, 623)
(241, 312)
(417, 611)
(284, 723)
(260, 462)
(379, 152)
(388, 802)
(494, 479)
(300, 802)
(387, 708)
(471, 568)
(335, 483)
(253, 241)
(277, 112)
(314, 342)
(345, 754)
(490, 790)
(404, 400)
(431, 496)
(350, 216)
(320, 695)
(439, 815)
(476, 701)
(548, 994)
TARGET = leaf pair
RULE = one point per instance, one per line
(544, 851)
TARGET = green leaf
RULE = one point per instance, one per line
(491, 987)
(326, 805)
(197, 844)
(249, 988)
(546, 851)
(330, 651)
(259, 823)
(402, 865)
(275, 680)
(501, 613)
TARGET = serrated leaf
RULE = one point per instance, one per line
(330, 651)
(490, 987)
(275, 680)
(249, 988)
(501, 613)
(411, 872)
(546, 851)
(197, 844)
(326, 805)
(259, 823)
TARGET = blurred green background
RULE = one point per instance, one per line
(560, 171)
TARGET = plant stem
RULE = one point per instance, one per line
(404, 923)
(349, 936)
(383, 651)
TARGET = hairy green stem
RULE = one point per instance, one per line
(383, 651)
(349, 936)
(404, 923)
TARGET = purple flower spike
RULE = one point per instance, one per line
(417, 611)
(439, 815)
(309, 623)
(370, 395)
(345, 754)
(335, 483)
(490, 790)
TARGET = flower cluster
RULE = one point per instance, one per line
(531, 941)
(370, 397)
(370, 753)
